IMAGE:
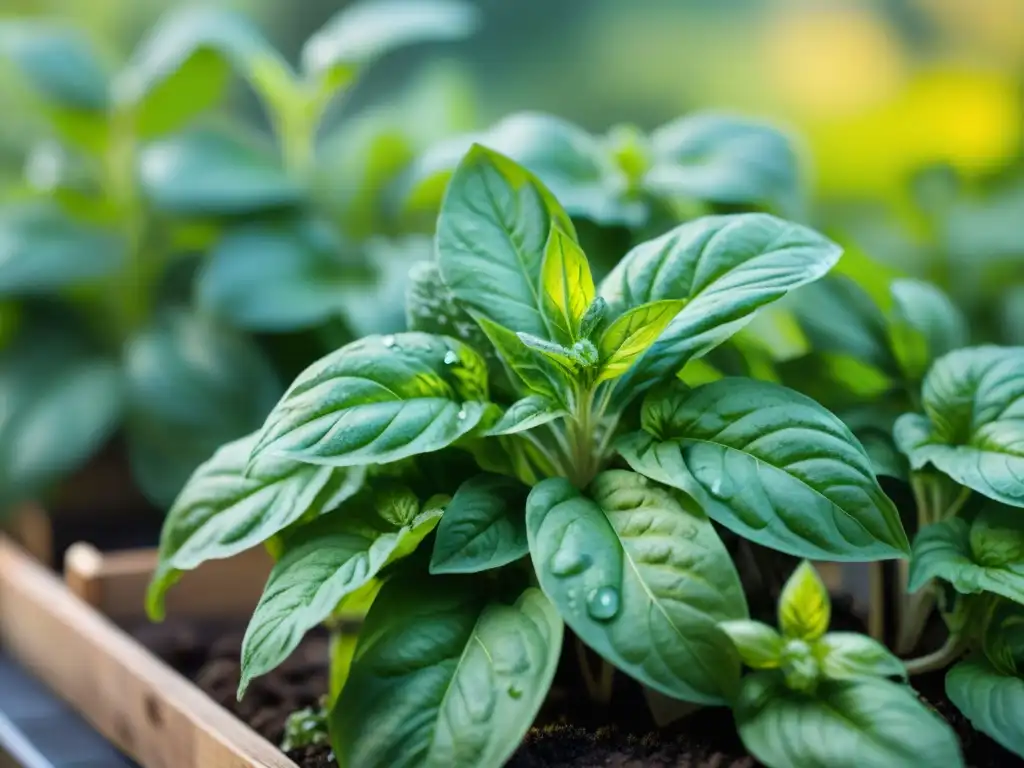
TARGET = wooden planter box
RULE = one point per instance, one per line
(67, 635)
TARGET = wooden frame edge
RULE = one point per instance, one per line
(148, 710)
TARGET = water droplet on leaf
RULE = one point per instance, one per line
(461, 414)
(388, 341)
(515, 691)
(451, 357)
(603, 603)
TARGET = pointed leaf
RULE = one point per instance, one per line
(630, 335)
(991, 701)
(567, 285)
(973, 400)
(325, 561)
(443, 677)
(848, 656)
(484, 526)
(726, 267)
(491, 234)
(770, 464)
(865, 723)
(526, 414)
(224, 510)
(632, 556)
(378, 400)
(804, 607)
(759, 646)
(538, 373)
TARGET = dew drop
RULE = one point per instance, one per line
(461, 414)
(451, 357)
(515, 691)
(442, 320)
(603, 603)
(568, 561)
(388, 341)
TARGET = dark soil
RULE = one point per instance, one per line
(571, 732)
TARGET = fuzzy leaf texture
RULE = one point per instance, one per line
(771, 465)
(642, 578)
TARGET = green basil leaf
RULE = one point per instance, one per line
(1003, 638)
(183, 65)
(378, 400)
(364, 31)
(444, 677)
(61, 403)
(759, 646)
(530, 412)
(192, 385)
(726, 267)
(642, 579)
(839, 316)
(985, 558)
(771, 465)
(971, 430)
(569, 161)
(723, 159)
(215, 172)
(484, 526)
(632, 333)
(567, 285)
(925, 324)
(42, 250)
(324, 562)
(536, 371)
(270, 278)
(804, 606)
(491, 236)
(864, 723)
(225, 509)
(849, 656)
(991, 701)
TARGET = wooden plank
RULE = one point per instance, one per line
(115, 583)
(143, 706)
(30, 526)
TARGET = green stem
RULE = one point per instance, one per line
(948, 653)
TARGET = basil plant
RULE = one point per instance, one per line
(107, 321)
(967, 474)
(524, 460)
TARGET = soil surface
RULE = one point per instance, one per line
(571, 732)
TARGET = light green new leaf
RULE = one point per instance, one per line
(864, 723)
(224, 510)
(324, 562)
(378, 400)
(974, 431)
(632, 555)
(444, 677)
(771, 465)
(366, 30)
(993, 702)
(726, 267)
(849, 656)
(804, 606)
(484, 526)
(530, 412)
(192, 385)
(567, 285)
(536, 371)
(183, 65)
(987, 556)
(721, 158)
(42, 250)
(632, 333)
(215, 172)
(491, 235)
(759, 646)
